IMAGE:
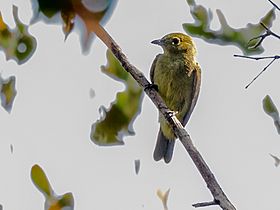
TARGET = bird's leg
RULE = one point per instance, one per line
(151, 86)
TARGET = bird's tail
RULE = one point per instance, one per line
(164, 148)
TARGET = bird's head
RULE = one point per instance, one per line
(176, 43)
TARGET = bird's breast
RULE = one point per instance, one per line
(174, 83)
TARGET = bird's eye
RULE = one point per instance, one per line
(175, 41)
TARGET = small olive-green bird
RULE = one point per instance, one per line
(177, 76)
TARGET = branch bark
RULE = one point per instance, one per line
(212, 184)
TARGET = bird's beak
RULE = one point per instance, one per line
(157, 42)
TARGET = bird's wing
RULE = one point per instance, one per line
(152, 70)
(195, 93)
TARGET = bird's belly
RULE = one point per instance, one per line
(175, 88)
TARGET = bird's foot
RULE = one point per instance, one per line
(151, 86)
(172, 113)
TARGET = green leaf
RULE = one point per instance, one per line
(66, 200)
(16, 43)
(270, 108)
(41, 181)
(53, 201)
(118, 119)
(226, 35)
(7, 92)
(272, 111)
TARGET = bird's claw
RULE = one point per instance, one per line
(172, 113)
(151, 86)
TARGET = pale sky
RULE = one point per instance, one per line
(53, 112)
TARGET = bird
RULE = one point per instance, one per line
(176, 76)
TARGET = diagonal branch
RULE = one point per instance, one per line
(260, 73)
(275, 5)
(212, 184)
(275, 57)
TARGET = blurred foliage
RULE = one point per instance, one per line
(53, 201)
(53, 11)
(163, 196)
(276, 160)
(7, 92)
(272, 111)
(41, 181)
(16, 43)
(91, 93)
(137, 166)
(118, 119)
(226, 35)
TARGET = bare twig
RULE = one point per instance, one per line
(275, 57)
(260, 73)
(205, 204)
(275, 5)
(267, 33)
(254, 58)
(177, 127)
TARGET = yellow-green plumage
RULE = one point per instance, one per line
(178, 76)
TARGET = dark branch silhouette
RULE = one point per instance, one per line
(267, 33)
(275, 5)
(205, 204)
(261, 38)
(275, 57)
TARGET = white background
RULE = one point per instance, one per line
(52, 115)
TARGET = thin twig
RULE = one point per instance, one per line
(260, 73)
(275, 5)
(275, 57)
(270, 32)
(177, 127)
(205, 204)
(267, 33)
(254, 58)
